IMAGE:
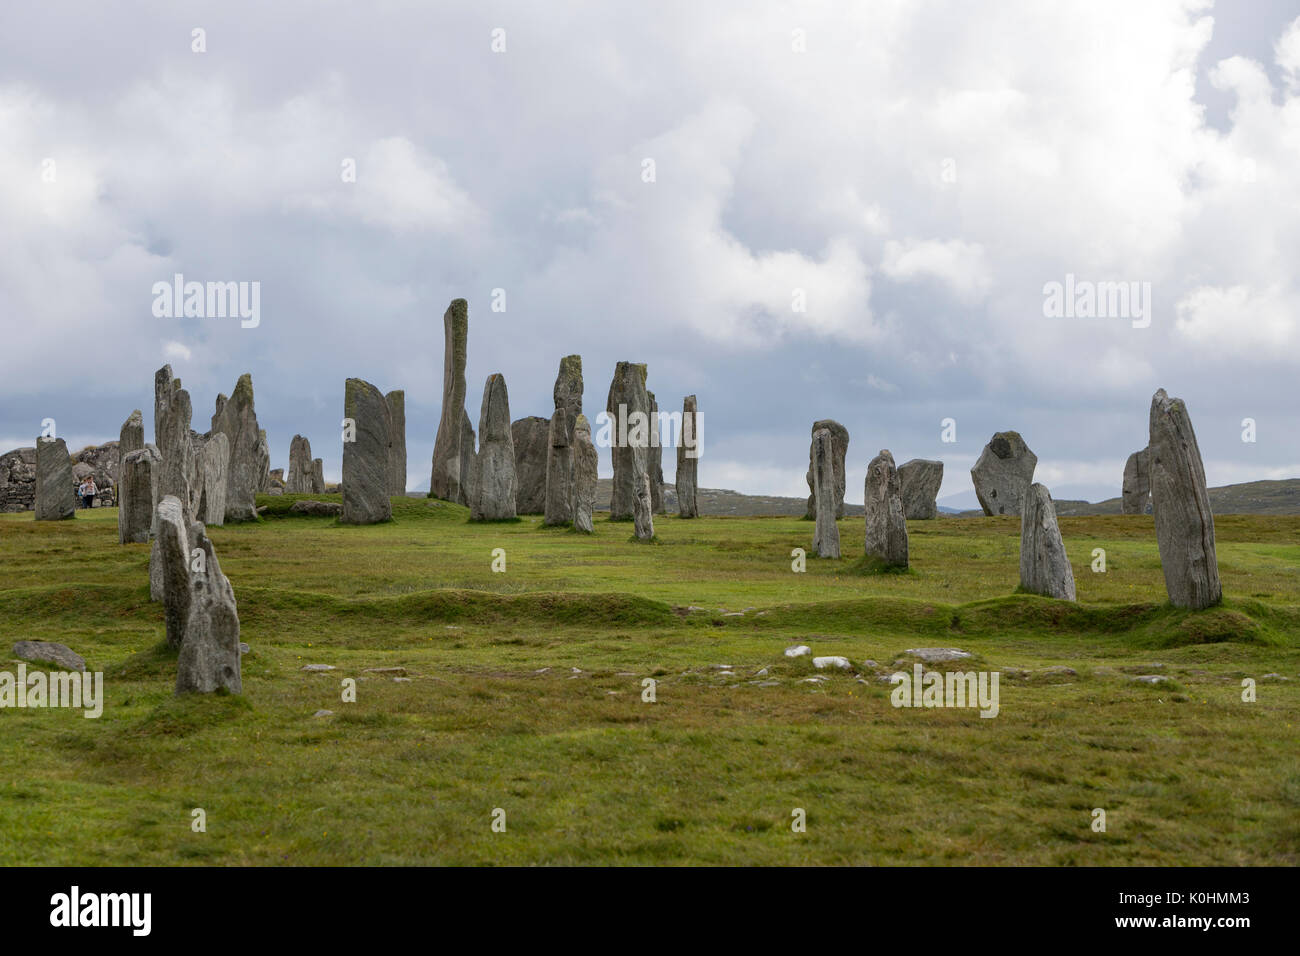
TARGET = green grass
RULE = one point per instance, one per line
(493, 714)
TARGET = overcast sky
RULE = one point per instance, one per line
(917, 172)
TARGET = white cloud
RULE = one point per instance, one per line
(960, 265)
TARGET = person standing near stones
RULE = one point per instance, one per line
(87, 491)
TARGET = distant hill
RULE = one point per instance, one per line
(1253, 497)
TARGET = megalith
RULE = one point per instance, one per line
(56, 487)
(826, 535)
(298, 481)
(688, 461)
(137, 494)
(655, 458)
(559, 471)
(886, 528)
(1044, 567)
(365, 458)
(585, 463)
(396, 441)
(1003, 474)
(839, 449)
(531, 439)
(494, 476)
(250, 459)
(920, 479)
(628, 409)
(214, 466)
(1136, 490)
(450, 455)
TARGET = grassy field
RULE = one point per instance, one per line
(523, 691)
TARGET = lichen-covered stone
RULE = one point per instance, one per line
(494, 475)
(826, 535)
(1044, 567)
(585, 463)
(920, 479)
(886, 528)
(365, 459)
(1003, 474)
(450, 456)
(56, 495)
(688, 461)
(839, 450)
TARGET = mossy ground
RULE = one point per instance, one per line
(494, 715)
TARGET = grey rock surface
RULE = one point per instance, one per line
(1135, 493)
(56, 487)
(138, 495)
(365, 460)
(1003, 474)
(921, 479)
(826, 536)
(450, 456)
(48, 652)
(531, 440)
(494, 473)
(839, 450)
(1044, 567)
(687, 478)
(396, 441)
(559, 471)
(886, 528)
(585, 463)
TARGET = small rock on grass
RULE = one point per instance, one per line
(837, 662)
(394, 671)
(318, 667)
(47, 652)
(323, 713)
(937, 655)
(799, 650)
(1059, 670)
(1151, 679)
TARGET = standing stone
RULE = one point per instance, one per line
(194, 475)
(531, 438)
(56, 488)
(396, 441)
(317, 476)
(172, 413)
(174, 560)
(585, 464)
(1137, 483)
(468, 460)
(826, 536)
(1044, 567)
(840, 449)
(1181, 505)
(559, 472)
(365, 459)
(263, 463)
(643, 508)
(209, 653)
(214, 466)
(131, 438)
(688, 461)
(250, 459)
(1003, 474)
(655, 457)
(494, 478)
(920, 479)
(886, 538)
(299, 480)
(568, 391)
(446, 480)
(628, 407)
(138, 492)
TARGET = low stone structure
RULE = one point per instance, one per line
(18, 480)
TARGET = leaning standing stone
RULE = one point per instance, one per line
(585, 462)
(1136, 490)
(137, 490)
(886, 538)
(1181, 505)
(1003, 474)
(494, 478)
(839, 449)
(559, 472)
(826, 537)
(365, 459)
(56, 488)
(688, 461)
(920, 480)
(1044, 567)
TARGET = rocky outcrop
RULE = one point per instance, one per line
(450, 454)
(531, 440)
(1136, 490)
(249, 467)
(1044, 567)
(826, 536)
(103, 463)
(1003, 474)
(494, 475)
(585, 462)
(886, 528)
(18, 480)
(559, 471)
(1181, 505)
(299, 480)
(396, 441)
(839, 450)
(55, 485)
(628, 408)
(365, 459)
(920, 479)
(688, 461)
(138, 495)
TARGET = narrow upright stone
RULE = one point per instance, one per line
(396, 441)
(826, 536)
(585, 462)
(920, 479)
(250, 459)
(215, 467)
(628, 408)
(559, 472)
(298, 481)
(1044, 567)
(1003, 474)
(568, 390)
(643, 515)
(655, 458)
(1181, 505)
(263, 464)
(531, 438)
(839, 450)
(131, 439)
(174, 560)
(209, 653)
(886, 528)
(365, 459)
(137, 493)
(446, 479)
(172, 413)
(494, 479)
(1136, 490)
(317, 476)
(56, 488)
(688, 462)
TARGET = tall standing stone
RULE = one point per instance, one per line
(56, 493)
(920, 479)
(1181, 505)
(263, 464)
(585, 464)
(568, 390)
(317, 476)
(1044, 567)
(688, 461)
(250, 459)
(494, 478)
(628, 408)
(174, 561)
(839, 450)
(137, 494)
(216, 479)
(643, 513)
(826, 536)
(172, 413)
(886, 528)
(209, 653)
(130, 439)
(1136, 491)
(450, 455)
(298, 481)
(365, 458)
(559, 472)
(655, 458)
(396, 441)
(1003, 474)
(531, 438)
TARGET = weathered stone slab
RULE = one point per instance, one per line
(214, 466)
(532, 443)
(138, 490)
(826, 536)
(559, 471)
(494, 478)
(688, 461)
(365, 459)
(209, 652)
(48, 652)
(396, 441)
(317, 509)
(1003, 474)
(298, 481)
(248, 470)
(568, 391)
(840, 449)
(655, 458)
(1136, 490)
(920, 479)
(643, 514)
(56, 487)
(172, 413)
(886, 528)
(1044, 567)
(174, 561)
(585, 463)
(449, 453)
(1181, 505)
(628, 409)
(317, 476)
